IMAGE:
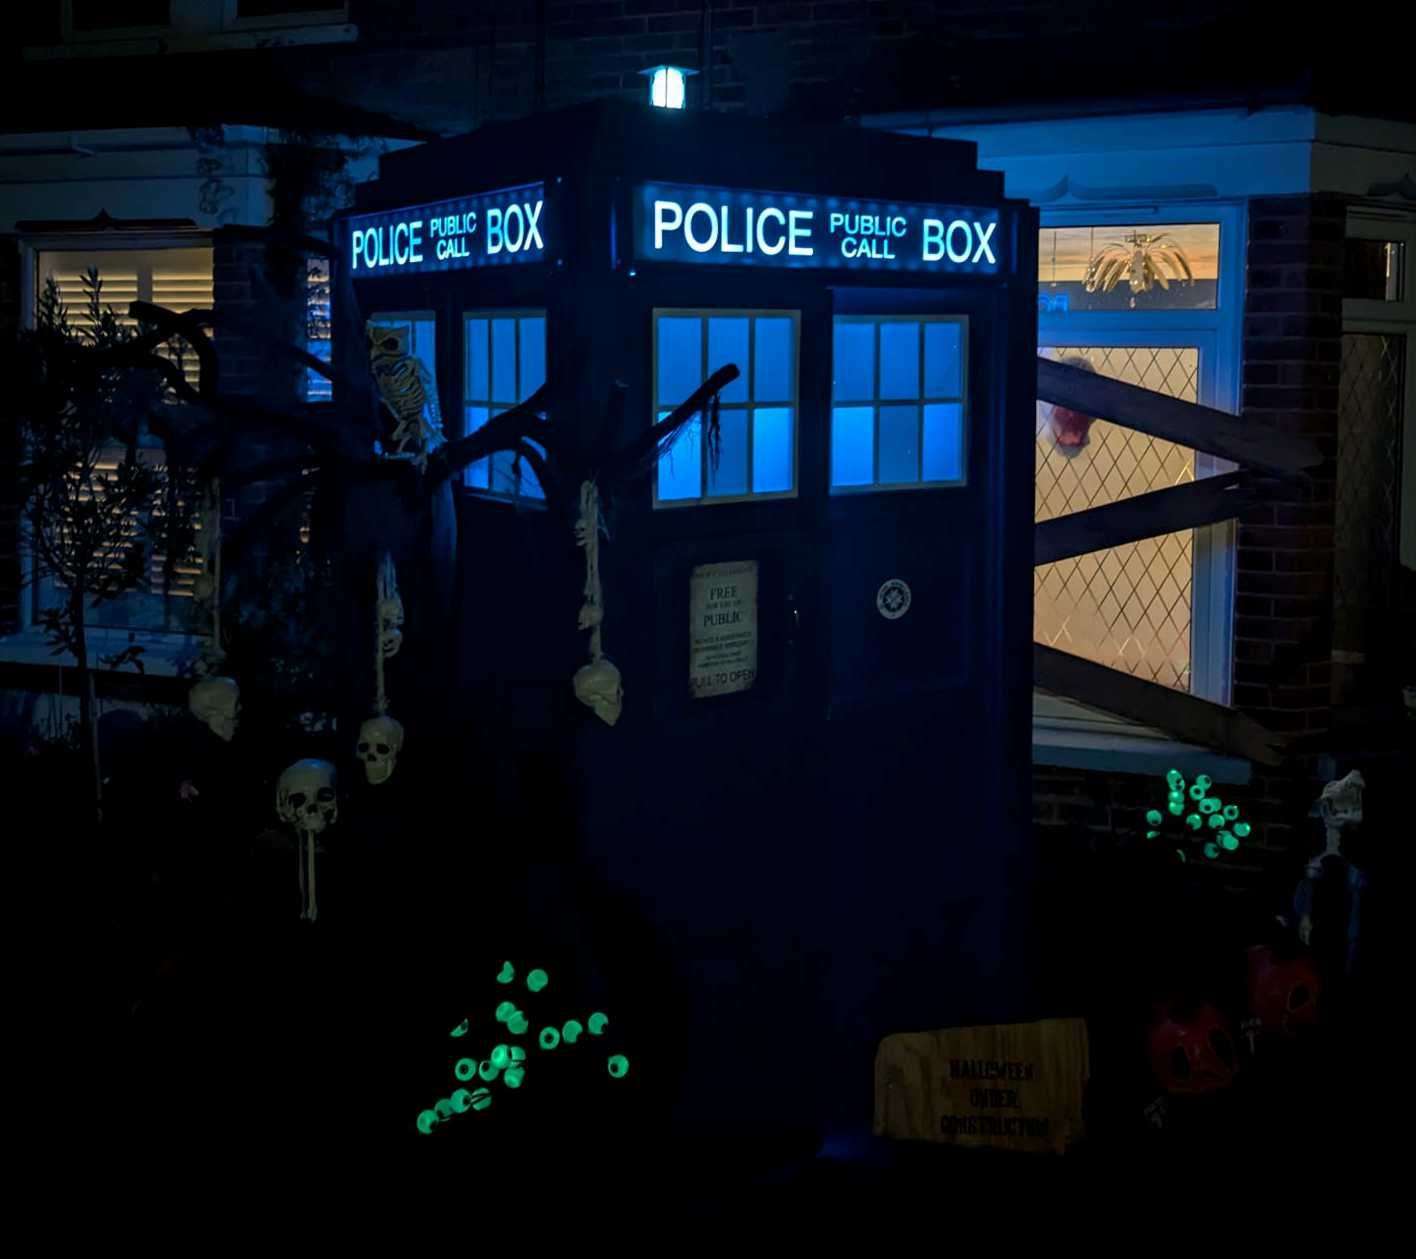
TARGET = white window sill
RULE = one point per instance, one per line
(1068, 735)
(164, 655)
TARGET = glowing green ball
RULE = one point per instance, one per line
(518, 1026)
(618, 1066)
(506, 1012)
(1194, 821)
(1175, 778)
(460, 1029)
(1216, 820)
(518, 1054)
(1209, 805)
(1242, 829)
(1176, 808)
(444, 1107)
(481, 1099)
(465, 1069)
(1197, 792)
(513, 1077)
(507, 973)
(550, 1038)
(537, 980)
(1204, 781)
(1211, 851)
(1227, 841)
(570, 1033)
(427, 1121)
(596, 1023)
(1152, 834)
(487, 1071)
(461, 1101)
(1231, 812)
(1154, 818)
(501, 1055)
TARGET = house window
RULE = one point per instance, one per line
(756, 452)
(317, 328)
(1160, 608)
(179, 279)
(898, 402)
(505, 363)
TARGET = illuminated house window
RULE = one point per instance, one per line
(317, 328)
(757, 413)
(1128, 267)
(505, 363)
(898, 402)
(179, 279)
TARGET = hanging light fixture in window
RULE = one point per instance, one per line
(1140, 258)
(668, 85)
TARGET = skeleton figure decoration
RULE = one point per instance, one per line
(380, 742)
(306, 800)
(408, 390)
(597, 684)
(1339, 806)
(216, 702)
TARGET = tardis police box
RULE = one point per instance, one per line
(814, 806)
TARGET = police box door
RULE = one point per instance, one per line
(912, 453)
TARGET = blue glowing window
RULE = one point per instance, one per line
(756, 453)
(899, 402)
(505, 363)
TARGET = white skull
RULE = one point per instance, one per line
(380, 742)
(390, 626)
(305, 796)
(598, 685)
(217, 703)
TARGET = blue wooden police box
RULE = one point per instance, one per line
(815, 807)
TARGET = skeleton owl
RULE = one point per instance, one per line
(408, 390)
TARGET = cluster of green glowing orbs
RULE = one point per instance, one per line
(1203, 813)
(507, 1061)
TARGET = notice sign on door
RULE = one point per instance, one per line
(722, 629)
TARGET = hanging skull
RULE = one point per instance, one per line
(216, 702)
(598, 685)
(305, 797)
(390, 626)
(380, 742)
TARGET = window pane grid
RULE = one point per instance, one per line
(746, 468)
(485, 384)
(910, 413)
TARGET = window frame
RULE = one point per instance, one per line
(750, 406)
(1217, 335)
(875, 402)
(516, 314)
(167, 652)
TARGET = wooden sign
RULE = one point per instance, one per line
(1014, 1086)
(722, 628)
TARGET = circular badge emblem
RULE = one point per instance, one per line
(892, 600)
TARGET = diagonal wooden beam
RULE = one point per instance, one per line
(1177, 713)
(1147, 516)
(1188, 423)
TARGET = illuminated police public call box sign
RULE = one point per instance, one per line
(748, 228)
(487, 230)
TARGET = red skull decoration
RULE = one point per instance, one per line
(1284, 992)
(1192, 1050)
(1071, 430)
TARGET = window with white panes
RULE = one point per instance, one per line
(504, 364)
(756, 454)
(899, 402)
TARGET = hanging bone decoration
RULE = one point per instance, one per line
(306, 800)
(216, 703)
(408, 390)
(597, 684)
(390, 610)
(380, 742)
